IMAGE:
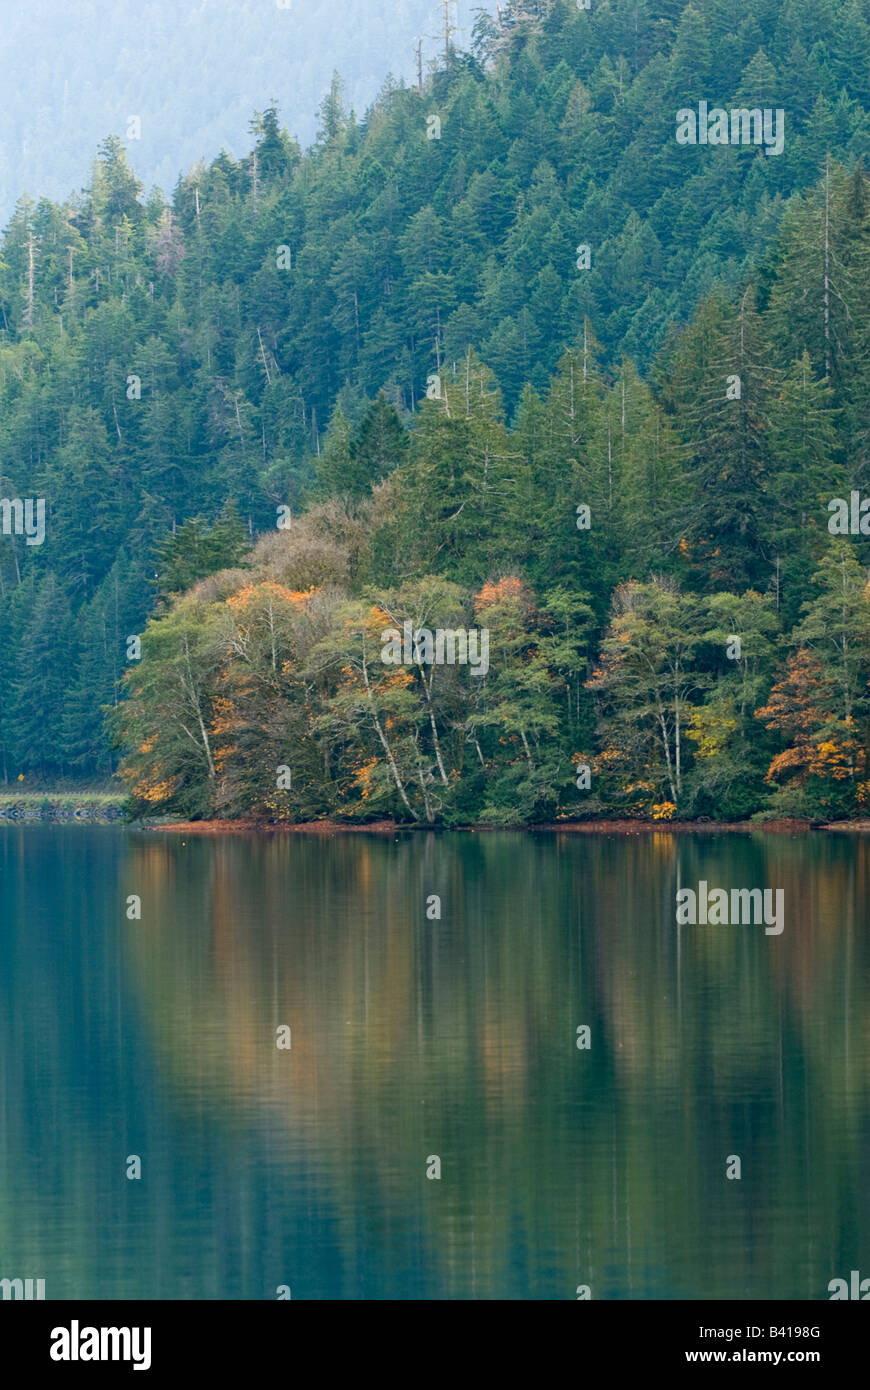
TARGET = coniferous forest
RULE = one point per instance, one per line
(500, 356)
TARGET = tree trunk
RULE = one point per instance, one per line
(667, 744)
(427, 690)
(193, 696)
(384, 744)
(430, 814)
(526, 746)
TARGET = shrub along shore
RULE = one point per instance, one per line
(95, 807)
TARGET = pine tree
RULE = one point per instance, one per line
(46, 651)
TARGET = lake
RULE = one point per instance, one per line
(414, 1039)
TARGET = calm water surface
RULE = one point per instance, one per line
(413, 1038)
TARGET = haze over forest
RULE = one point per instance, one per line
(194, 71)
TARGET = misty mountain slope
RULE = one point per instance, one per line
(193, 73)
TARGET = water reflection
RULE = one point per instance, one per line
(413, 1038)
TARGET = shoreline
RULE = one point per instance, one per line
(603, 827)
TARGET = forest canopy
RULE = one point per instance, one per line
(530, 368)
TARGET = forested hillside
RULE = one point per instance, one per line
(505, 356)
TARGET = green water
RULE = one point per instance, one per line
(414, 1038)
